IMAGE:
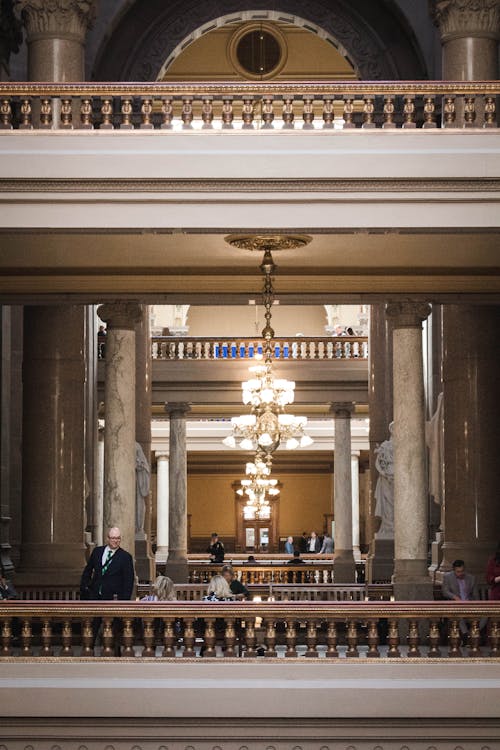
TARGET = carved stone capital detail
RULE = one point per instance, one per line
(463, 18)
(178, 410)
(407, 314)
(342, 409)
(124, 315)
(65, 19)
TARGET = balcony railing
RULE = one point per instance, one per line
(248, 106)
(305, 348)
(167, 630)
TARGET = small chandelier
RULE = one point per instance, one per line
(268, 426)
(258, 487)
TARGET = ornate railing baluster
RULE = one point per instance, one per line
(270, 638)
(490, 108)
(146, 114)
(6, 649)
(86, 114)
(291, 640)
(328, 112)
(247, 113)
(46, 649)
(494, 638)
(227, 112)
(26, 113)
(449, 113)
(207, 112)
(45, 114)
(187, 112)
(311, 639)
(348, 113)
(393, 639)
(409, 112)
(5, 114)
(389, 109)
(368, 112)
(26, 638)
(288, 115)
(169, 638)
(230, 637)
(373, 640)
(429, 112)
(469, 112)
(107, 114)
(331, 640)
(66, 114)
(474, 639)
(250, 638)
(87, 638)
(413, 639)
(210, 638)
(267, 112)
(67, 639)
(107, 637)
(434, 637)
(167, 113)
(128, 637)
(352, 639)
(188, 638)
(308, 112)
(126, 112)
(149, 637)
(454, 639)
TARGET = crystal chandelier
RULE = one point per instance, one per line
(267, 426)
(258, 487)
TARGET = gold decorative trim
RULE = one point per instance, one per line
(351, 185)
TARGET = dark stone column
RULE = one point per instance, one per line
(177, 567)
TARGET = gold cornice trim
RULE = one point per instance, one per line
(113, 185)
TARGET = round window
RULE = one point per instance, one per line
(257, 51)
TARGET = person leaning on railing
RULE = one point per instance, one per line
(237, 588)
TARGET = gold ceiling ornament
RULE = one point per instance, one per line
(267, 426)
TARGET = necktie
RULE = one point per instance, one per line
(105, 567)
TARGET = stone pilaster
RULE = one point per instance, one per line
(410, 579)
(53, 446)
(144, 562)
(355, 503)
(344, 567)
(162, 507)
(177, 567)
(99, 535)
(119, 411)
(55, 34)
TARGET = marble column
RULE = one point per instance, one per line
(53, 493)
(355, 504)
(144, 561)
(471, 513)
(55, 34)
(410, 579)
(162, 507)
(99, 490)
(119, 415)
(379, 565)
(344, 566)
(177, 567)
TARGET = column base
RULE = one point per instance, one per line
(161, 555)
(411, 581)
(344, 567)
(177, 570)
(51, 564)
(144, 563)
(380, 563)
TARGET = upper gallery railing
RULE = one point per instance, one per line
(303, 348)
(174, 106)
(251, 629)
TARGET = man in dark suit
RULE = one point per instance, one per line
(109, 573)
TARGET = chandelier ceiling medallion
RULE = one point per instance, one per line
(268, 426)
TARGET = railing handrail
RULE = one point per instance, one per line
(235, 88)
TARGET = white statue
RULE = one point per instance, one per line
(384, 491)
(142, 484)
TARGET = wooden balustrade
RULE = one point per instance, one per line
(312, 573)
(296, 630)
(249, 106)
(306, 348)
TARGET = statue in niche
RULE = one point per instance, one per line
(142, 485)
(384, 490)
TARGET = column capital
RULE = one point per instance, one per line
(179, 410)
(342, 409)
(62, 19)
(355, 454)
(456, 19)
(123, 315)
(407, 314)
(162, 455)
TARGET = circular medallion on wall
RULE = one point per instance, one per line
(257, 51)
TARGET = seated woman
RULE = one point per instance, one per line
(218, 590)
(162, 590)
